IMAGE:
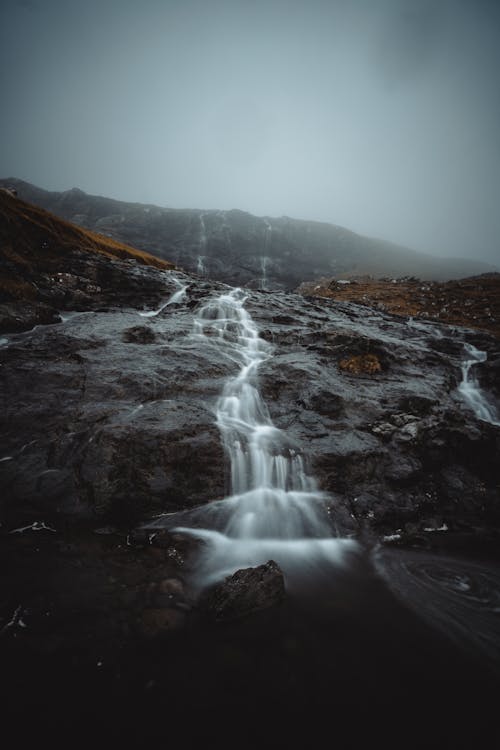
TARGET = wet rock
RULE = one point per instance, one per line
(171, 586)
(156, 621)
(122, 424)
(385, 429)
(139, 335)
(246, 591)
(21, 316)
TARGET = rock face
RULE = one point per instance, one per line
(111, 414)
(240, 249)
(246, 591)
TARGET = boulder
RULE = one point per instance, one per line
(247, 591)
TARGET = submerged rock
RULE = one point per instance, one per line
(246, 591)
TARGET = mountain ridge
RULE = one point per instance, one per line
(239, 248)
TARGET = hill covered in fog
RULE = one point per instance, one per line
(239, 248)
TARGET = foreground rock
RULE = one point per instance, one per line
(247, 591)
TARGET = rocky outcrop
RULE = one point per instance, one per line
(247, 591)
(48, 265)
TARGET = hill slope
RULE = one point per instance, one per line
(241, 249)
(471, 302)
(52, 264)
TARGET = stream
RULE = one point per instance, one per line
(409, 606)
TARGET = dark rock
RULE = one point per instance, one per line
(156, 621)
(246, 591)
(21, 316)
(139, 335)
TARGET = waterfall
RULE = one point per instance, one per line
(174, 298)
(264, 261)
(274, 509)
(471, 391)
(200, 266)
(263, 266)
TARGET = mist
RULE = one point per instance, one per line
(383, 117)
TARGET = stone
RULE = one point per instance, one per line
(247, 591)
(157, 621)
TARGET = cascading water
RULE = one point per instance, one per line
(200, 265)
(176, 297)
(275, 509)
(470, 389)
(263, 266)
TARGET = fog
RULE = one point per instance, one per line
(382, 116)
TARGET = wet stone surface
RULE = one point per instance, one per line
(108, 420)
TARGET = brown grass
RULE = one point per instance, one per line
(361, 364)
(472, 302)
(27, 231)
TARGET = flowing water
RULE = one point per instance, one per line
(471, 391)
(274, 509)
(263, 267)
(459, 597)
(200, 265)
(176, 297)
(373, 620)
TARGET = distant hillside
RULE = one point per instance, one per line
(238, 248)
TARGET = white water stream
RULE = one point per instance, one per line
(200, 266)
(177, 296)
(263, 267)
(470, 389)
(274, 510)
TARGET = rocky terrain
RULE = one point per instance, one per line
(471, 302)
(108, 425)
(47, 264)
(240, 249)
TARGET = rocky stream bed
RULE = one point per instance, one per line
(109, 425)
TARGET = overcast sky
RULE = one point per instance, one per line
(382, 116)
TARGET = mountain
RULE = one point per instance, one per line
(238, 248)
(148, 412)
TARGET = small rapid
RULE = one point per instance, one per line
(274, 508)
(174, 298)
(470, 390)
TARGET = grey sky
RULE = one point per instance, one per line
(379, 115)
